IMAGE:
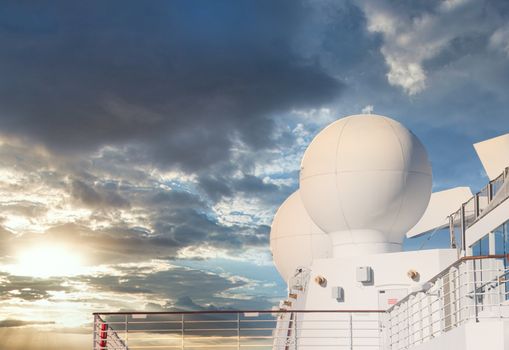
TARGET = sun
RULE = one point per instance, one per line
(47, 261)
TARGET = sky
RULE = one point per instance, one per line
(145, 145)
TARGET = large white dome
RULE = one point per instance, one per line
(295, 240)
(365, 180)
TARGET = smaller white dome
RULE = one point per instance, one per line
(295, 240)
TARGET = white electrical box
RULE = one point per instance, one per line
(364, 274)
(337, 293)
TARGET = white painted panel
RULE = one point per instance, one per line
(494, 155)
(440, 206)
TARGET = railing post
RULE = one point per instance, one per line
(126, 340)
(430, 317)
(351, 330)
(238, 330)
(421, 334)
(408, 322)
(441, 305)
(500, 275)
(461, 292)
(452, 238)
(95, 332)
(463, 229)
(386, 329)
(476, 205)
(475, 291)
(182, 332)
(295, 338)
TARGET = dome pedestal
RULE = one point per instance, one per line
(361, 242)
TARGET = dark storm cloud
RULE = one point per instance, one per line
(215, 186)
(114, 245)
(104, 196)
(174, 283)
(188, 219)
(231, 303)
(19, 323)
(189, 227)
(175, 199)
(218, 186)
(172, 230)
(180, 77)
(30, 288)
(459, 47)
(186, 303)
(138, 217)
(177, 287)
(182, 288)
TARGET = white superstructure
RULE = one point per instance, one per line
(366, 183)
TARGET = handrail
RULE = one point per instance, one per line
(274, 329)
(465, 258)
(446, 271)
(490, 193)
(462, 292)
(232, 312)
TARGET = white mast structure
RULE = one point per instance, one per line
(365, 181)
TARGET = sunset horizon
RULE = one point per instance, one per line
(146, 146)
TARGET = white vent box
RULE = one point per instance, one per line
(364, 274)
(337, 293)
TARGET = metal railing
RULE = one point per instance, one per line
(274, 330)
(473, 288)
(491, 195)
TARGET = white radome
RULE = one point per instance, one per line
(295, 240)
(365, 180)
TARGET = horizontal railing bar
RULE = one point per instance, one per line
(225, 329)
(212, 312)
(133, 331)
(235, 338)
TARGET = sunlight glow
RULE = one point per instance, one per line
(47, 261)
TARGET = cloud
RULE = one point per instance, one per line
(164, 235)
(8, 323)
(411, 37)
(368, 109)
(499, 40)
(180, 288)
(119, 213)
(176, 88)
(29, 288)
(104, 196)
